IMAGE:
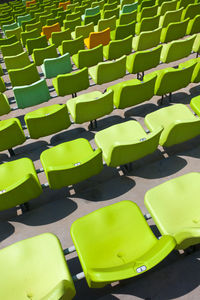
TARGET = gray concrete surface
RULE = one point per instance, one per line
(178, 276)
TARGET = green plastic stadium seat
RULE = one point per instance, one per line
(36, 43)
(83, 30)
(90, 106)
(2, 85)
(52, 21)
(71, 83)
(54, 66)
(110, 13)
(8, 41)
(40, 54)
(194, 25)
(57, 37)
(196, 45)
(10, 26)
(88, 57)
(191, 11)
(43, 18)
(196, 72)
(17, 61)
(106, 23)
(170, 79)
(108, 71)
(92, 19)
(178, 121)
(146, 40)
(167, 6)
(24, 23)
(141, 61)
(177, 49)
(184, 3)
(21, 19)
(70, 163)
(11, 50)
(174, 31)
(33, 256)
(31, 94)
(170, 17)
(146, 3)
(16, 32)
(29, 35)
(24, 76)
(36, 25)
(123, 31)
(129, 8)
(127, 18)
(195, 105)
(71, 46)
(47, 120)
(121, 246)
(147, 12)
(4, 105)
(71, 24)
(110, 6)
(174, 207)
(11, 134)
(98, 3)
(147, 24)
(132, 92)
(126, 142)
(73, 16)
(116, 49)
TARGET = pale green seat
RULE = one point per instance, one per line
(178, 121)
(24, 76)
(71, 46)
(170, 17)
(174, 207)
(146, 40)
(141, 61)
(147, 12)
(170, 79)
(185, 3)
(132, 92)
(88, 57)
(195, 105)
(174, 31)
(127, 18)
(17, 189)
(11, 50)
(24, 23)
(16, 32)
(70, 163)
(32, 94)
(129, 8)
(52, 67)
(147, 24)
(106, 23)
(43, 53)
(121, 246)
(194, 25)
(196, 45)
(72, 83)
(108, 71)
(191, 11)
(117, 48)
(47, 120)
(21, 19)
(126, 142)
(57, 37)
(167, 6)
(36, 43)
(9, 26)
(90, 106)
(42, 258)
(11, 134)
(16, 62)
(4, 105)
(177, 49)
(83, 30)
(91, 12)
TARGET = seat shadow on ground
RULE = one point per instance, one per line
(141, 110)
(71, 134)
(6, 229)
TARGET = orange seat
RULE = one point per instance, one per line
(28, 3)
(47, 30)
(97, 38)
(64, 4)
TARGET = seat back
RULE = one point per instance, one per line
(167, 6)
(111, 70)
(118, 48)
(47, 30)
(43, 18)
(148, 24)
(73, 46)
(107, 23)
(177, 49)
(24, 76)
(147, 12)
(53, 21)
(122, 31)
(73, 16)
(72, 24)
(32, 94)
(90, 57)
(13, 49)
(36, 25)
(17, 61)
(133, 92)
(129, 8)
(84, 30)
(29, 35)
(58, 37)
(174, 31)
(194, 25)
(171, 17)
(40, 54)
(191, 11)
(4, 105)
(8, 41)
(146, 3)
(55, 66)
(21, 19)
(147, 40)
(88, 110)
(127, 18)
(109, 6)
(185, 3)
(110, 13)
(16, 32)
(92, 11)
(73, 82)
(35, 43)
(92, 19)
(10, 26)
(97, 38)
(24, 23)
(100, 4)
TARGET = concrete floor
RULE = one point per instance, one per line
(178, 276)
